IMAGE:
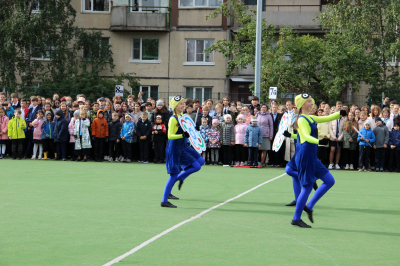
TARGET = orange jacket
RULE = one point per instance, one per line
(99, 126)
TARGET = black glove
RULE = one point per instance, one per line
(343, 112)
(185, 134)
(324, 141)
(287, 134)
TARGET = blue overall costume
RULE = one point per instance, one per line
(291, 170)
(310, 169)
(181, 160)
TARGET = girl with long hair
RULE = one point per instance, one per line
(350, 141)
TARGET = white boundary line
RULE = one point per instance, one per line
(118, 259)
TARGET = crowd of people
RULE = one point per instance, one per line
(113, 130)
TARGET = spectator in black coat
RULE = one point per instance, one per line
(254, 104)
(276, 158)
(61, 136)
(162, 111)
(143, 131)
(114, 132)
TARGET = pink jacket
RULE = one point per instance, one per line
(71, 130)
(4, 127)
(248, 118)
(240, 131)
(37, 132)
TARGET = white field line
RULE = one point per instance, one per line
(118, 259)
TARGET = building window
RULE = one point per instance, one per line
(37, 54)
(254, 3)
(200, 93)
(149, 91)
(96, 5)
(145, 6)
(145, 49)
(103, 49)
(200, 3)
(35, 6)
(195, 51)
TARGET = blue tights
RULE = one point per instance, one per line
(296, 184)
(181, 176)
(328, 180)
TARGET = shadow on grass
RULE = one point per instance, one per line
(359, 231)
(372, 211)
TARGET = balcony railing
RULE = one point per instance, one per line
(138, 18)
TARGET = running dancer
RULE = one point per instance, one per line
(181, 159)
(308, 165)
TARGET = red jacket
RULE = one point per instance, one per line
(100, 126)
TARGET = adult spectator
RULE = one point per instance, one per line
(386, 102)
(266, 124)
(276, 158)
(254, 104)
(15, 101)
(162, 111)
(210, 104)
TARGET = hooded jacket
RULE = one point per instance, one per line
(240, 131)
(114, 129)
(204, 130)
(227, 133)
(100, 126)
(266, 124)
(48, 127)
(214, 135)
(82, 134)
(127, 131)
(367, 134)
(61, 133)
(71, 126)
(394, 139)
(37, 124)
(4, 127)
(16, 128)
(253, 136)
(381, 135)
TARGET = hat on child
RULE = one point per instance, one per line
(215, 121)
(159, 116)
(378, 119)
(397, 123)
(254, 120)
(367, 122)
(59, 113)
(173, 103)
(159, 102)
(128, 114)
(77, 112)
(240, 117)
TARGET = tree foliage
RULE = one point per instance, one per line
(293, 62)
(374, 26)
(41, 44)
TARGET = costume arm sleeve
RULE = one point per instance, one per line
(323, 119)
(304, 131)
(173, 128)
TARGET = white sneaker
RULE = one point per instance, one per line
(337, 167)
(122, 159)
(330, 167)
(226, 165)
(33, 157)
(351, 167)
(347, 167)
(40, 157)
(116, 160)
(259, 163)
(242, 164)
(110, 159)
(105, 158)
(145, 162)
(238, 163)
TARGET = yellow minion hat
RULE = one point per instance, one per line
(173, 103)
(301, 99)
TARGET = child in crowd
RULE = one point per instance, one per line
(159, 138)
(47, 136)
(349, 141)
(71, 129)
(144, 133)
(394, 145)
(240, 150)
(99, 135)
(247, 115)
(16, 134)
(3, 132)
(214, 142)
(9, 109)
(386, 118)
(253, 140)
(127, 133)
(61, 136)
(218, 114)
(37, 135)
(323, 133)
(114, 129)
(227, 140)
(205, 115)
(381, 133)
(93, 112)
(82, 135)
(204, 131)
(366, 138)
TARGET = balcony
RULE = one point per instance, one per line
(140, 18)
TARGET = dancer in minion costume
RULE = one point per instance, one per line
(291, 168)
(181, 159)
(309, 167)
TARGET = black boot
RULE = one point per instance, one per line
(168, 205)
(315, 186)
(309, 213)
(300, 224)
(293, 203)
(172, 197)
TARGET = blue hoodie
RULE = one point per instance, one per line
(61, 133)
(127, 131)
(48, 127)
(367, 134)
(253, 136)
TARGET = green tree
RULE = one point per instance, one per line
(373, 25)
(295, 63)
(41, 43)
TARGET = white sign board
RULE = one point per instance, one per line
(273, 91)
(119, 90)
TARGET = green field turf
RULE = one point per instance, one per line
(70, 213)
